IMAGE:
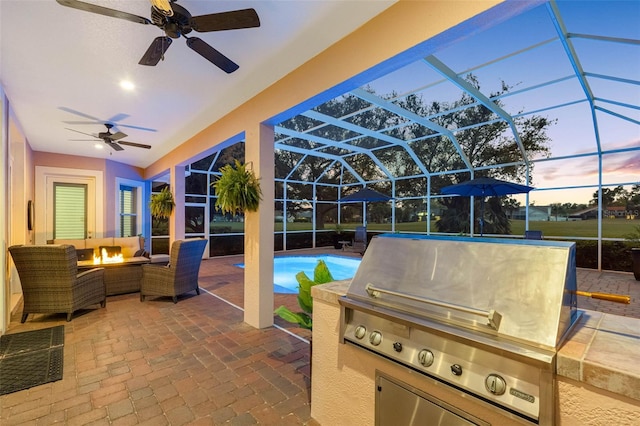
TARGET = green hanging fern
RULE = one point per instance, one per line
(238, 189)
(162, 204)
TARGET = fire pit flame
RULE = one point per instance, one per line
(105, 258)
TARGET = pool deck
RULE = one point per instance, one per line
(196, 362)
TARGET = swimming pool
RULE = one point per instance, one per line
(285, 269)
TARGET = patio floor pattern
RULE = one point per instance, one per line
(195, 362)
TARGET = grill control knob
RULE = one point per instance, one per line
(495, 384)
(397, 346)
(361, 330)
(375, 338)
(456, 370)
(425, 357)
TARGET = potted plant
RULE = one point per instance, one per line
(238, 189)
(162, 204)
(634, 238)
(321, 275)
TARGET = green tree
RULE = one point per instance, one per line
(485, 141)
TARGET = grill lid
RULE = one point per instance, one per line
(522, 290)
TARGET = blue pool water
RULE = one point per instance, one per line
(285, 269)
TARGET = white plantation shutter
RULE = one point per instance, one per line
(128, 216)
(70, 211)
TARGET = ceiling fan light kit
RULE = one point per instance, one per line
(176, 22)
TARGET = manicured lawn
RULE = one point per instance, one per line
(611, 228)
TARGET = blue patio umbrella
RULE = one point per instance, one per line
(485, 187)
(365, 195)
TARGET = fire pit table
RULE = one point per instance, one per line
(119, 277)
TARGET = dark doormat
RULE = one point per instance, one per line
(31, 358)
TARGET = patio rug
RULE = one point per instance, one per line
(31, 358)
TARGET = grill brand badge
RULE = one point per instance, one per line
(522, 395)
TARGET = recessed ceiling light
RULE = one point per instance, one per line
(127, 85)
(98, 146)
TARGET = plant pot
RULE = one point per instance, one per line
(635, 257)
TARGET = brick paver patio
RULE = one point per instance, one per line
(196, 362)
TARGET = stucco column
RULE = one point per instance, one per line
(176, 221)
(258, 231)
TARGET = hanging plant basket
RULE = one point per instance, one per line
(162, 204)
(238, 189)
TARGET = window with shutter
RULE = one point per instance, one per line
(128, 213)
(70, 211)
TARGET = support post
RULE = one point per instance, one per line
(258, 230)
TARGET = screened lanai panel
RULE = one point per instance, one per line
(410, 131)
(301, 123)
(544, 99)
(608, 57)
(335, 150)
(621, 167)
(297, 142)
(285, 161)
(436, 100)
(412, 187)
(366, 165)
(567, 172)
(514, 35)
(617, 133)
(613, 18)
(333, 133)
(621, 92)
(205, 163)
(368, 142)
(397, 161)
(572, 132)
(529, 68)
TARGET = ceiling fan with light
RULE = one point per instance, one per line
(114, 140)
(176, 21)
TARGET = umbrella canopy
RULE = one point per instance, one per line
(485, 187)
(365, 195)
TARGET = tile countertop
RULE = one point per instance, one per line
(602, 350)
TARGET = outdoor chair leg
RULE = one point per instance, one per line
(141, 297)
(198, 290)
(24, 317)
(103, 303)
(69, 315)
(175, 299)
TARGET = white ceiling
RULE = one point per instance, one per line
(55, 60)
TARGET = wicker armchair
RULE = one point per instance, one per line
(180, 276)
(51, 282)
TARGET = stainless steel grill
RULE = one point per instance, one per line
(483, 316)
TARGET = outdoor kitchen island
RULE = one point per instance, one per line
(594, 377)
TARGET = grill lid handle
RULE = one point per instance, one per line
(493, 318)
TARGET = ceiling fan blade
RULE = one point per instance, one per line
(81, 114)
(147, 129)
(137, 145)
(118, 117)
(77, 131)
(88, 7)
(156, 50)
(117, 135)
(234, 20)
(212, 55)
(115, 146)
